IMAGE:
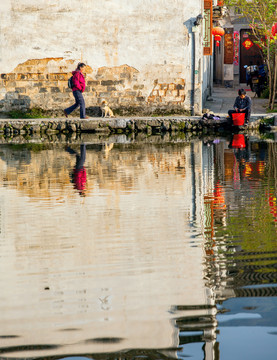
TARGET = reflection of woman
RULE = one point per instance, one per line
(79, 172)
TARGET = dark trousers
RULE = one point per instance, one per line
(79, 101)
(246, 112)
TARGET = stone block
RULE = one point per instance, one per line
(162, 92)
(55, 90)
(163, 86)
(171, 86)
(111, 88)
(88, 125)
(138, 87)
(93, 82)
(43, 90)
(180, 81)
(107, 82)
(11, 84)
(131, 93)
(20, 89)
(182, 93)
(154, 122)
(32, 76)
(140, 125)
(175, 93)
(116, 123)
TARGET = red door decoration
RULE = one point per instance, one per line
(236, 48)
(248, 44)
(218, 32)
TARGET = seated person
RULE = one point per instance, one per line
(242, 104)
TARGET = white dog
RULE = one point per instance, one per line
(106, 110)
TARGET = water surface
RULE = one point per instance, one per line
(138, 249)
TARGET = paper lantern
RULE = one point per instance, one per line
(218, 32)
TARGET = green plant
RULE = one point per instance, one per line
(265, 93)
(33, 113)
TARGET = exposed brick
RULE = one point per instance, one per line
(11, 84)
(125, 75)
(32, 76)
(55, 90)
(131, 93)
(93, 82)
(20, 89)
(138, 87)
(171, 86)
(180, 81)
(151, 98)
(104, 94)
(111, 82)
(11, 77)
(111, 88)
(107, 82)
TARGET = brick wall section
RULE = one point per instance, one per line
(43, 83)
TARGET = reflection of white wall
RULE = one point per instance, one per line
(115, 262)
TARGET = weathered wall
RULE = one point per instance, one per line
(138, 52)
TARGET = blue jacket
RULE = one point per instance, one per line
(243, 103)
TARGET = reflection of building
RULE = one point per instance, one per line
(119, 269)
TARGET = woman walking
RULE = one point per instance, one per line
(78, 88)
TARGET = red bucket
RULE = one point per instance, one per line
(238, 141)
(238, 119)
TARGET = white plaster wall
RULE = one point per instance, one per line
(145, 34)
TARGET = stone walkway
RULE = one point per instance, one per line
(224, 98)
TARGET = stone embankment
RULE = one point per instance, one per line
(148, 125)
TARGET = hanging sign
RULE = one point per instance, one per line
(207, 23)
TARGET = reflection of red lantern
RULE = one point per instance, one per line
(218, 32)
(274, 29)
(220, 2)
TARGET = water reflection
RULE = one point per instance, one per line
(79, 175)
(171, 253)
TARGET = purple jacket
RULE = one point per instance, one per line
(78, 81)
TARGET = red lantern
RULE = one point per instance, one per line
(218, 32)
(274, 29)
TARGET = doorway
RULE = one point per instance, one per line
(250, 53)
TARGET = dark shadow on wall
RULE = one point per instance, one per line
(94, 111)
(14, 101)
